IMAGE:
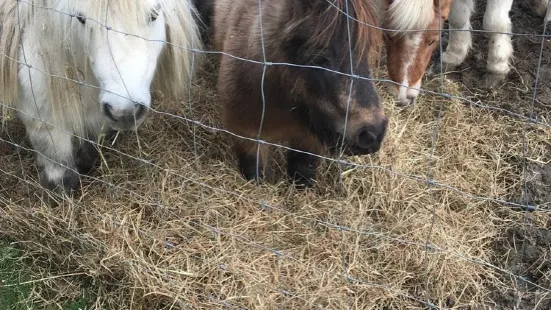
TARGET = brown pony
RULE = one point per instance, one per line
(304, 106)
(408, 51)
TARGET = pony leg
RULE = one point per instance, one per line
(302, 167)
(52, 141)
(460, 41)
(500, 48)
(86, 157)
(55, 157)
(247, 158)
(87, 153)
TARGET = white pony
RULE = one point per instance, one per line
(496, 19)
(76, 69)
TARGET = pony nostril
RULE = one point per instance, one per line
(365, 138)
(107, 110)
(140, 110)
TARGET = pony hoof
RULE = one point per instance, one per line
(301, 169)
(250, 174)
(302, 183)
(405, 103)
(491, 80)
(69, 184)
(248, 168)
(443, 68)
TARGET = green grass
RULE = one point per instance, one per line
(15, 288)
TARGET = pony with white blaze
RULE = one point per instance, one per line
(412, 29)
(76, 69)
(496, 20)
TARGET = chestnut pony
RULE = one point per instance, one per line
(314, 109)
(413, 34)
(408, 53)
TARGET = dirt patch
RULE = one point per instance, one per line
(516, 93)
(523, 250)
(538, 186)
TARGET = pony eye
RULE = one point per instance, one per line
(153, 15)
(321, 61)
(432, 42)
(81, 18)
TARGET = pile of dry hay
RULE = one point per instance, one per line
(168, 221)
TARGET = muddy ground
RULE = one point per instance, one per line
(524, 251)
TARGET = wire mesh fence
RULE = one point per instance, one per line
(451, 213)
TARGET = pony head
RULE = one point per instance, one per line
(409, 52)
(123, 60)
(124, 65)
(121, 48)
(336, 107)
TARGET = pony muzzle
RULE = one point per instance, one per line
(368, 138)
(405, 94)
(127, 117)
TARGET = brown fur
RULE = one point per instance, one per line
(400, 47)
(292, 114)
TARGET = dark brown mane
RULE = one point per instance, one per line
(365, 36)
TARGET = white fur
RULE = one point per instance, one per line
(114, 69)
(500, 49)
(408, 91)
(496, 19)
(135, 67)
(52, 142)
(125, 67)
(460, 41)
(410, 14)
